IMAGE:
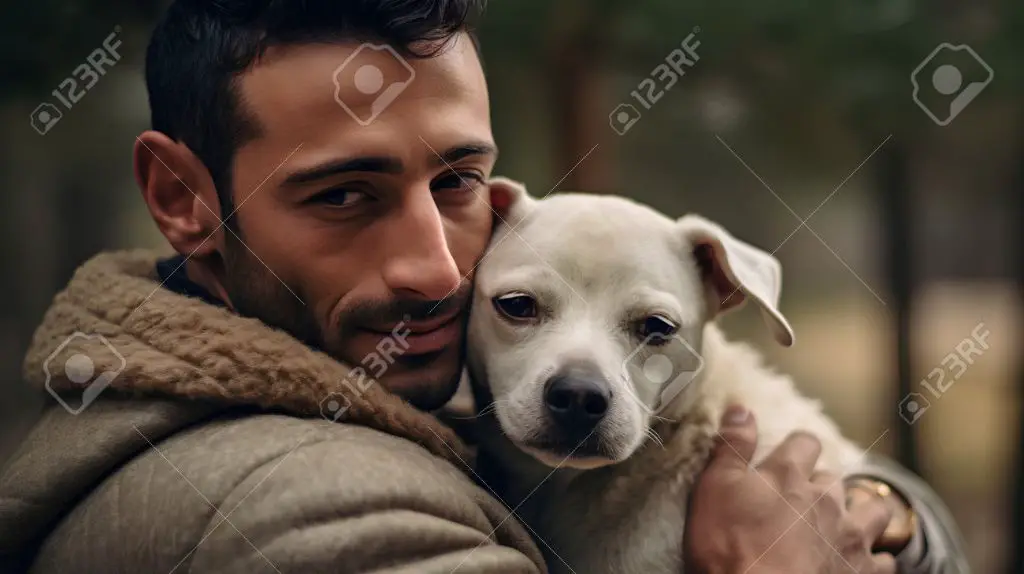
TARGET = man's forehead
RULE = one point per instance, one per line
(316, 76)
(293, 93)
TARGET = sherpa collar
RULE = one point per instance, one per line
(181, 347)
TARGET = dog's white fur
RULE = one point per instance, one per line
(597, 265)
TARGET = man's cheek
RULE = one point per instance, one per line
(470, 256)
(467, 245)
(325, 304)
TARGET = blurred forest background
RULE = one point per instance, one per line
(794, 110)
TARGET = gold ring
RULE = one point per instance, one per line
(902, 525)
(878, 488)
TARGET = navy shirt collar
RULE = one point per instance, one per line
(172, 273)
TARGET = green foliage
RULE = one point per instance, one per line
(795, 62)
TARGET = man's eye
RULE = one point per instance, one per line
(457, 181)
(338, 197)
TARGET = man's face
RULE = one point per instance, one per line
(347, 229)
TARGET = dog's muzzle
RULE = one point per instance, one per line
(576, 398)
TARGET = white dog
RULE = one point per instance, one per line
(602, 375)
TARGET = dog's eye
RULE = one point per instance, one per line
(657, 325)
(516, 306)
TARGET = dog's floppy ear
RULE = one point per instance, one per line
(735, 271)
(509, 199)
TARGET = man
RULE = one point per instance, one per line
(315, 229)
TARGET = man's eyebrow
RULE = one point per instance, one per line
(456, 153)
(374, 164)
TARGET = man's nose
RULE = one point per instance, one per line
(419, 259)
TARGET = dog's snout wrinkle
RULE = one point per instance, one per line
(581, 369)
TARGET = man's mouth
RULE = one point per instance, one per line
(423, 336)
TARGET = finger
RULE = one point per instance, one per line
(737, 439)
(797, 455)
(871, 514)
(884, 563)
(833, 485)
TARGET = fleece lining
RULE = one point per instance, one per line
(164, 344)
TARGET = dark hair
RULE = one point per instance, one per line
(200, 46)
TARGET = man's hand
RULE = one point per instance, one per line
(780, 517)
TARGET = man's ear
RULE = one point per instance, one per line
(509, 199)
(178, 191)
(734, 271)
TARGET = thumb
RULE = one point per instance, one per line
(737, 438)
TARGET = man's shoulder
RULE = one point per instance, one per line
(255, 440)
(166, 450)
(320, 463)
(299, 489)
(319, 466)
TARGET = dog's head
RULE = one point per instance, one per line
(588, 315)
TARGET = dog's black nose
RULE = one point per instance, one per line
(577, 401)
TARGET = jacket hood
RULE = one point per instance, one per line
(148, 340)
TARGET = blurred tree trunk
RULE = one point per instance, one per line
(1016, 558)
(894, 186)
(87, 216)
(578, 91)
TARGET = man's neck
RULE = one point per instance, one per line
(176, 274)
(202, 275)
